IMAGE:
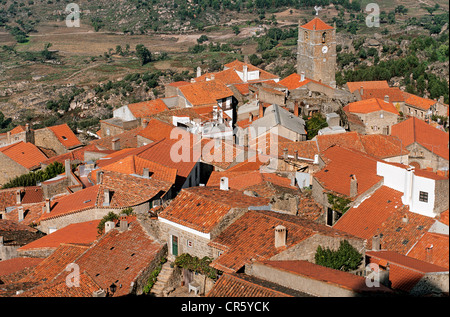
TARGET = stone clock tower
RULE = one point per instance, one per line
(316, 54)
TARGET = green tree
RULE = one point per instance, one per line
(314, 124)
(346, 258)
(144, 55)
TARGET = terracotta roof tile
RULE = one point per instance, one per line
(383, 146)
(370, 105)
(404, 272)
(416, 130)
(202, 208)
(364, 220)
(331, 276)
(127, 139)
(252, 237)
(15, 265)
(78, 233)
(239, 66)
(205, 93)
(316, 24)
(25, 154)
(355, 85)
(65, 135)
(341, 164)
(294, 81)
(432, 248)
(394, 93)
(147, 108)
(240, 285)
(419, 102)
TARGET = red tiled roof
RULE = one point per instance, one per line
(239, 66)
(227, 76)
(18, 129)
(370, 105)
(341, 163)
(443, 217)
(205, 92)
(419, 102)
(416, 130)
(350, 140)
(404, 272)
(394, 93)
(382, 146)
(331, 276)
(305, 149)
(147, 108)
(293, 81)
(432, 248)
(202, 208)
(25, 154)
(242, 180)
(364, 220)
(233, 285)
(78, 233)
(355, 85)
(17, 264)
(135, 165)
(127, 139)
(316, 24)
(252, 237)
(65, 135)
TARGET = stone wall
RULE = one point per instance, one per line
(46, 139)
(425, 158)
(441, 191)
(379, 122)
(431, 283)
(9, 169)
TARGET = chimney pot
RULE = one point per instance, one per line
(146, 172)
(353, 186)
(115, 144)
(280, 236)
(302, 76)
(123, 223)
(18, 197)
(376, 245)
(361, 90)
(296, 109)
(386, 98)
(285, 153)
(20, 212)
(67, 168)
(245, 70)
(224, 183)
(47, 205)
(107, 197)
(199, 71)
(99, 174)
(109, 225)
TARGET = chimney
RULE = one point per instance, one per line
(245, 70)
(123, 223)
(224, 183)
(8, 137)
(109, 225)
(441, 99)
(353, 186)
(18, 197)
(1, 241)
(67, 168)
(405, 219)
(146, 172)
(296, 154)
(99, 175)
(199, 71)
(245, 139)
(115, 144)
(47, 206)
(376, 244)
(280, 236)
(302, 76)
(386, 98)
(285, 154)
(361, 90)
(20, 212)
(27, 127)
(213, 76)
(192, 80)
(99, 293)
(107, 197)
(144, 123)
(296, 108)
(261, 110)
(250, 117)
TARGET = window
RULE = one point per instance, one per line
(306, 35)
(423, 196)
(324, 37)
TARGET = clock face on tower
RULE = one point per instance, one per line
(324, 49)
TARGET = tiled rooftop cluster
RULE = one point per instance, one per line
(258, 216)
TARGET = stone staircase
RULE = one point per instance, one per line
(164, 276)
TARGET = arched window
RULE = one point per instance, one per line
(306, 35)
(324, 36)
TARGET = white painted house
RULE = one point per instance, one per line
(424, 192)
